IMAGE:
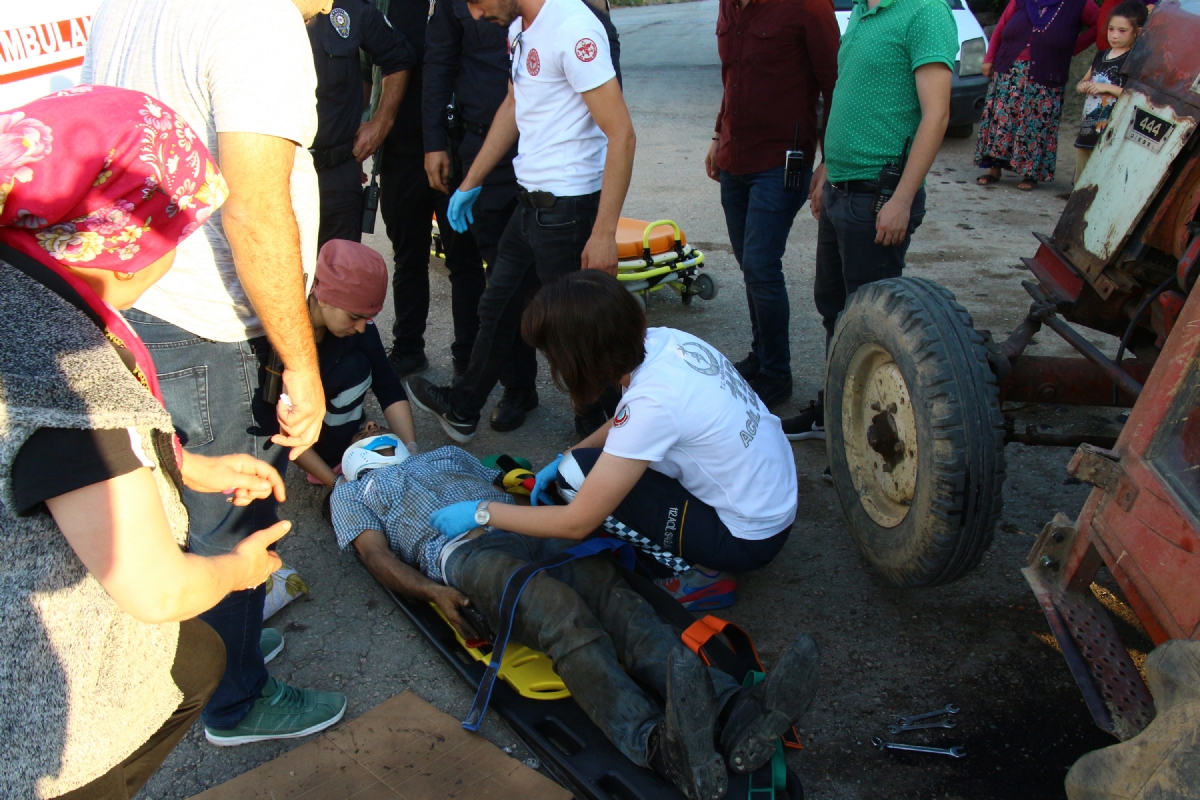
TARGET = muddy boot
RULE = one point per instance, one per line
(759, 716)
(680, 748)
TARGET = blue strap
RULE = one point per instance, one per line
(508, 610)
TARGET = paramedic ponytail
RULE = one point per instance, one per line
(590, 329)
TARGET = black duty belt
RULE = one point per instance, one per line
(856, 187)
(480, 129)
(326, 157)
(535, 199)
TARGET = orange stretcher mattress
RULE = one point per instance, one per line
(629, 238)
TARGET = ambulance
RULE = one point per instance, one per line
(41, 47)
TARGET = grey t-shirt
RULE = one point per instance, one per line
(224, 66)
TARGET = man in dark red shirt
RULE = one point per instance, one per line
(777, 58)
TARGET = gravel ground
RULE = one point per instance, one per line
(979, 643)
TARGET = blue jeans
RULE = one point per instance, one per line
(211, 390)
(589, 621)
(537, 246)
(759, 213)
(847, 256)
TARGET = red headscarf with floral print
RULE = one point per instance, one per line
(103, 178)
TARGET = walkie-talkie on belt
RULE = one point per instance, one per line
(454, 136)
(889, 178)
(793, 164)
(371, 194)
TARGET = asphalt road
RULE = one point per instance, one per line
(979, 642)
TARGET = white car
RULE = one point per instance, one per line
(41, 47)
(968, 87)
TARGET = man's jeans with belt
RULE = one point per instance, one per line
(759, 213)
(211, 390)
(538, 245)
(847, 255)
(590, 622)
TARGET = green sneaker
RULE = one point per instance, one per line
(282, 712)
(270, 642)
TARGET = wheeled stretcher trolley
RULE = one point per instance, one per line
(651, 255)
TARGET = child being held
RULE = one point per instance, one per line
(1104, 80)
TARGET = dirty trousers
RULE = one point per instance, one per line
(589, 621)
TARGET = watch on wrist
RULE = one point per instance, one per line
(482, 515)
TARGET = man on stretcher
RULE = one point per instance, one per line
(583, 615)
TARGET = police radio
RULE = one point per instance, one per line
(371, 194)
(454, 134)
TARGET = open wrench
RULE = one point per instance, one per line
(953, 752)
(920, 726)
(949, 709)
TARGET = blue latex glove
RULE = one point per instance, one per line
(455, 520)
(459, 214)
(543, 479)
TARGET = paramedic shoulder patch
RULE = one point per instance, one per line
(341, 22)
(621, 418)
(585, 50)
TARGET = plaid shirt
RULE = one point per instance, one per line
(398, 501)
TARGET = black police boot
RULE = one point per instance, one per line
(772, 389)
(407, 364)
(748, 366)
(757, 717)
(680, 748)
(509, 413)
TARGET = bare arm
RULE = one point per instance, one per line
(400, 421)
(607, 107)
(119, 530)
(393, 573)
(596, 439)
(314, 465)
(371, 134)
(500, 139)
(933, 90)
(606, 486)
(261, 226)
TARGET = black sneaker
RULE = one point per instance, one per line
(759, 716)
(748, 366)
(770, 389)
(405, 365)
(808, 424)
(436, 400)
(680, 748)
(509, 413)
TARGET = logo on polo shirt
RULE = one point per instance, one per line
(585, 50)
(533, 63)
(621, 418)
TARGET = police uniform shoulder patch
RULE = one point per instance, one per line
(340, 21)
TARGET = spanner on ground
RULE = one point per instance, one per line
(953, 752)
(949, 709)
(920, 726)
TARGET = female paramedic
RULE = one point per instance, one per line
(350, 287)
(692, 467)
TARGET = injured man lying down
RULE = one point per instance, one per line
(583, 615)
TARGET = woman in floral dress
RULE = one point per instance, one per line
(1029, 59)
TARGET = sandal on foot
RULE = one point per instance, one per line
(986, 179)
(1027, 185)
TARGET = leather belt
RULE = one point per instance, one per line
(326, 157)
(535, 199)
(480, 129)
(856, 187)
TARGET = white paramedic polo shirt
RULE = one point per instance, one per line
(563, 54)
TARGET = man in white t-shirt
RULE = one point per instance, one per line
(240, 72)
(573, 164)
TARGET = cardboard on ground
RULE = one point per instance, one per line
(404, 748)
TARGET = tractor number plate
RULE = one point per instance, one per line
(1148, 130)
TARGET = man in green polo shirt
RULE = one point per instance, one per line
(893, 83)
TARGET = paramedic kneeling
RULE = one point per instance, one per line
(692, 468)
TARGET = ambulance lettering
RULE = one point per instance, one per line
(33, 50)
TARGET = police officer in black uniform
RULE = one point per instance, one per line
(343, 140)
(467, 61)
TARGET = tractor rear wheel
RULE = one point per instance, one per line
(914, 431)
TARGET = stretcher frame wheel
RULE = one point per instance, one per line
(704, 286)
